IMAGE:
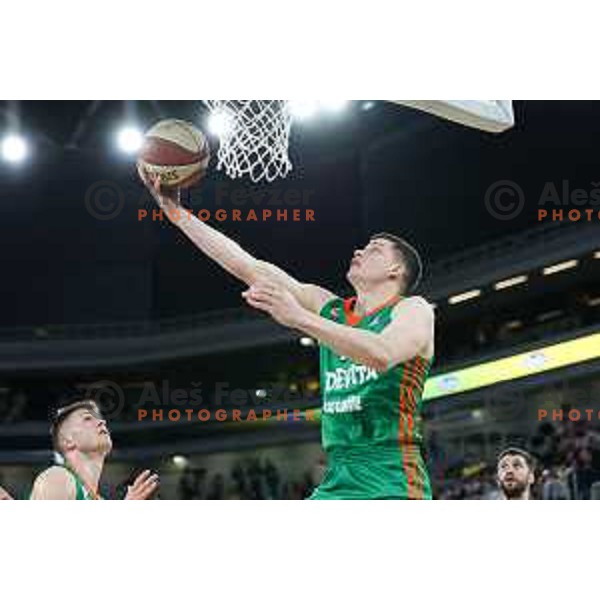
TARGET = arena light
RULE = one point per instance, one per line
(368, 105)
(507, 283)
(220, 123)
(180, 461)
(14, 148)
(597, 254)
(548, 316)
(261, 393)
(307, 342)
(594, 301)
(129, 139)
(558, 267)
(464, 296)
(333, 105)
(303, 109)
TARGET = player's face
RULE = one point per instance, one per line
(88, 432)
(374, 263)
(514, 475)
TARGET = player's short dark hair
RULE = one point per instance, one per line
(410, 257)
(63, 409)
(515, 451)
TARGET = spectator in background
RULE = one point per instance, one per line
(272, 479)
(516, 474)
(545, 444)
(217, 488)
(584, 475)
(187, 487)
(553, 487)
(238, 476)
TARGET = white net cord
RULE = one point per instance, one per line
(253, 137)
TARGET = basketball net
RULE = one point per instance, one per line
(253, 137)
(254, 134)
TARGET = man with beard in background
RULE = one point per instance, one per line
(515, 474)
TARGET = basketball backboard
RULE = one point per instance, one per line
(488, 115)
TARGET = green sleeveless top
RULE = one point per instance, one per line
(81, 492)
(364, 411)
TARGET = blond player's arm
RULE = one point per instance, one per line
(233, 258)
(54, 483)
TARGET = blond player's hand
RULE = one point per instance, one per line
(144, 487)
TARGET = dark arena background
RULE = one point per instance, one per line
(96, 297)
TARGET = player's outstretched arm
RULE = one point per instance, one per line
(54, 483)
(230, 255)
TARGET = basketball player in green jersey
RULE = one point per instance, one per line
(82, 440)
(376, 351)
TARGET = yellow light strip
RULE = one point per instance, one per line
(506, 283)
(514, 367)
(464, 296)
(563, 266)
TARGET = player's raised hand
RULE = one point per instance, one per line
(167, 200)
(4, 495)
(144, 487)
(275, 300)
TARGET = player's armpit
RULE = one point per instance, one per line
(54, 483)
(311, 297)
(410, 333)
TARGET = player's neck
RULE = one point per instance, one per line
(88, 466)
(368, 300)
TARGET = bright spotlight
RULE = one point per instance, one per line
(14, 148)
(368, 105)
(130, 139)
(180, 461)
(334, 105)
(303, 109)
(220, 123)
(307, 341)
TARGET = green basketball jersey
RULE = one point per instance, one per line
(81, 492)
(370, 422)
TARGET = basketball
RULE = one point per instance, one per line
(176, 151)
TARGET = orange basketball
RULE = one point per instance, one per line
(177, 152)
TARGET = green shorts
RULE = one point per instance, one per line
(366, 475)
